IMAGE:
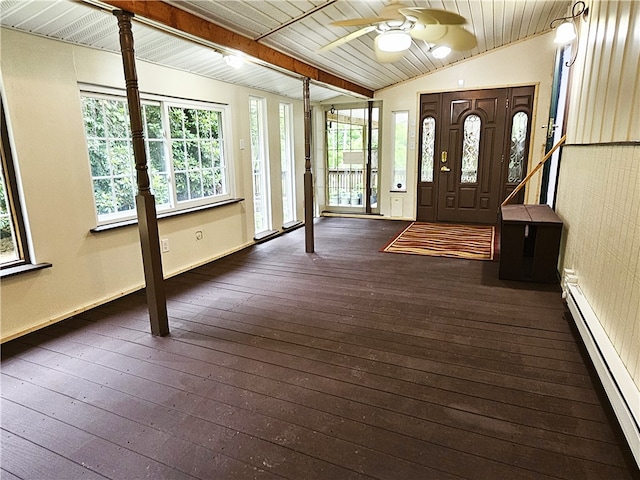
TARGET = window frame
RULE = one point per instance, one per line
(165, 102)
(264, 163)
(15, 208)
(427, 175)
(287, 162)
(395, 123)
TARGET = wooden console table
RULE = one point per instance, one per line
(529, 243)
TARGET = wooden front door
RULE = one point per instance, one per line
(470, 152)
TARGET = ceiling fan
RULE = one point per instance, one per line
(399, 24)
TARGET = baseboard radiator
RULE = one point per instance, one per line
(616, 380)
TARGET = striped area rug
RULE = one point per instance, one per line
(474, 242)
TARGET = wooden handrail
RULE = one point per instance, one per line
(532, 173)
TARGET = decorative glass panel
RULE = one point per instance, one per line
(428, 147)
(518, 144)
(470, 149)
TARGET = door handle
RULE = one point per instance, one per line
(444, 168)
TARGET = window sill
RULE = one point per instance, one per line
(264, 236)
(23, 268)
(292, 225)
(186, 211)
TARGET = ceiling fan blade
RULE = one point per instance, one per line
(387, 57)
(393, 11)
(356, 22)
(389, 13)
(428, 33)
(347, 38)
(428, 16)
(458, 39)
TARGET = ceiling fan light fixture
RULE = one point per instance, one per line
(394, 41)
(441, 52)
(565, 33)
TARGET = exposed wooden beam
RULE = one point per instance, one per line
(170, 16)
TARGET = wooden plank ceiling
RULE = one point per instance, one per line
(293, 30)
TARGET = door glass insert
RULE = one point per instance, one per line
(428, 147)
(518, 144)
(348, 156)
(470, 149)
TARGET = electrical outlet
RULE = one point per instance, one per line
(198, 235)
(165, 245)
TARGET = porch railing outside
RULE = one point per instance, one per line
(346, 187)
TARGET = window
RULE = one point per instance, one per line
(287, 163)
(14, 248)
(185, 147)
(197, 153)
(400, 137)
(428, 149)
(259, 161)
(517, 152)
(11, 247)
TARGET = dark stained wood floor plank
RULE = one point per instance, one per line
(28, 460)
(345, 374)
(346, 363)
(150, 433)
(79, 446)
(153, 392)
(502, 447)
(393, 358)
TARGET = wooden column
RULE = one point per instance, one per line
(308, 177)
(145, 202)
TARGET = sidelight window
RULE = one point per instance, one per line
(428, 149)
(470, 149)
(518, 146)
(400, 141)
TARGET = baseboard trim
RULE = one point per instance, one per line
(622, 392)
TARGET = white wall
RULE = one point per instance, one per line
(40, 81)
(529, 62)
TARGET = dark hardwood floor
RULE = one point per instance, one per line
(344, 364)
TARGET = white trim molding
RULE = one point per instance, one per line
(620, 388)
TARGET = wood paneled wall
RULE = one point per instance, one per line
(605, 90)
(599, 187)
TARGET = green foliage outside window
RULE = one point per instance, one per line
(8, 247)
(194, 145)
(111, 154)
